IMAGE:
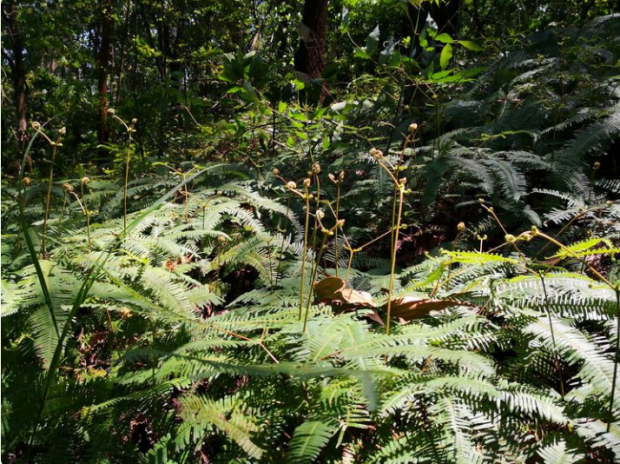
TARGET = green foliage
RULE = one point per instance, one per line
(172, 329)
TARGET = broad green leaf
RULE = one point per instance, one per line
(444, 38)
(469, 45)
(446, 56)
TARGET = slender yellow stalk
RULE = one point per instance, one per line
(288, 207)
(48, 197)
(85, 181)
(186, 200)
(130, 130)
(574, 255)
(401, 192)
(555, 354)
(313, 276)
(460, 229)
(64, 205)
(617, 351)
(337, 218)
(305, 252)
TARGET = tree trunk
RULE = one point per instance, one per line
(310, 57)
(104, 64)
(19, 75)
(128, 22)
(446, 15)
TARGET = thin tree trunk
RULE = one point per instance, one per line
(104, 64)
(121, 67)
(310, 57)
(19, 77)
(446, 15)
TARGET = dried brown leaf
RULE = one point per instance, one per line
(334, 289)
(412, 307)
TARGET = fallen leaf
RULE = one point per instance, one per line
(412, 307)
(334, 289)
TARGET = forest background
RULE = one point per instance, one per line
(340, 231)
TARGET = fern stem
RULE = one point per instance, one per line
(555, 354)
(125, 186)
(456, 239)
(87, 214)
(303, 258)
(393, 220)
(352, 252)
(562, 230)
(314, 271)
(514, 245)
(186, 201)
(578, 258)
(48, 196)
(336, 232)
(288, 208)
(64, 204)
(393, 266)
(316, 226)
(614, 380)
(270, 262)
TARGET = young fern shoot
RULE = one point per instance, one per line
(55, 144)
(130, 130)
(396, 219)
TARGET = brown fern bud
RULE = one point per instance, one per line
(275, 171)
(316, 168)
(26, 181)
(307, 182)
(67, 188)
(413, 127)
(461, 227)
(596, 166)
(62, 131)
(376, 154)
(85, 180)
(291, 185)
(134, 121)
(125, 312)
